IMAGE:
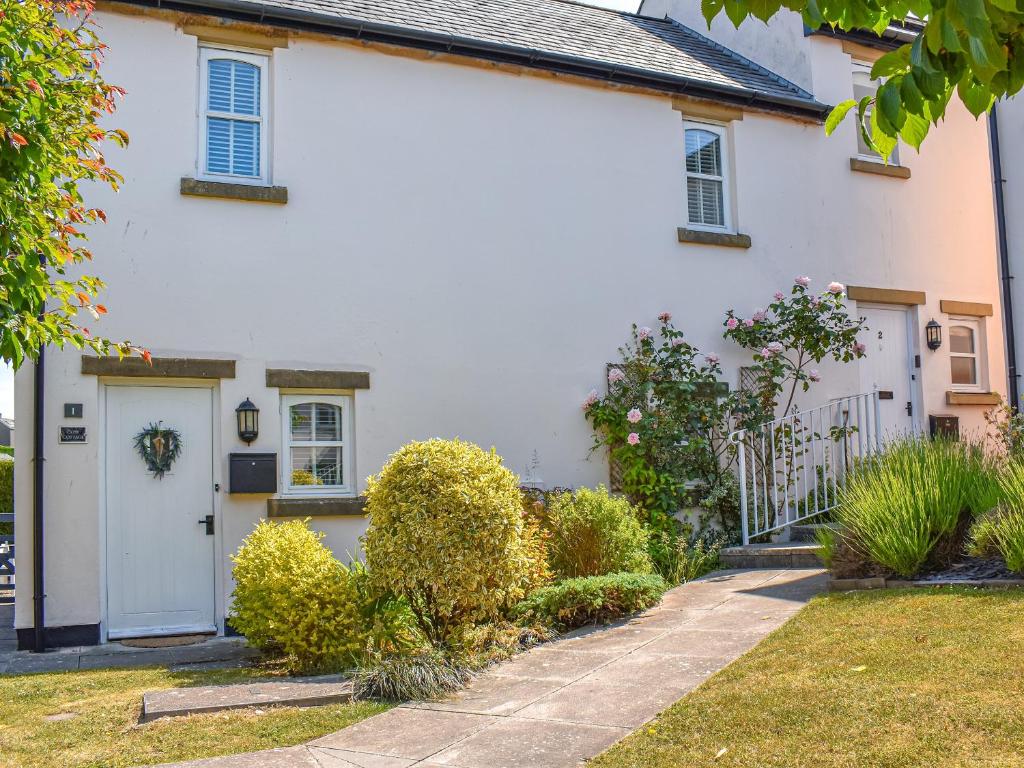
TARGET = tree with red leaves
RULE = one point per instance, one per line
(52, 99)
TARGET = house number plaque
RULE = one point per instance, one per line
(72, 435)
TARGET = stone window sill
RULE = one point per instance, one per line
(879, 168)
(226, 190)
(973, 398)
(316, 507)
(701, 237)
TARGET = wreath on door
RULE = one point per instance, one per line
(158, 446)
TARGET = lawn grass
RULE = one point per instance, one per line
(890, 679)
(106, 731)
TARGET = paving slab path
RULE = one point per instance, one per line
(565, 702)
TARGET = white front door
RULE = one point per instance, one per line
(888, 367)
(160, 557)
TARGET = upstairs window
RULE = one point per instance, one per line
(707, 194)
(317, 444)
(863, 86)
(233, 115)
(965, 358)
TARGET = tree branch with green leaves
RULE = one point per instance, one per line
(974, 48)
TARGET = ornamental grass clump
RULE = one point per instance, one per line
(446, 533)
(593, 533)
(294, 598)
(1000, 532)
(910, 506)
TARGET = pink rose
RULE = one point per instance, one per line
(859, 348)
(748, 323)
(779, 295)
(590, 399)
(643, 333)
(772, 349)
(836, 288)
(803, 281)
(615, 375)
(711, 358)
(760, 316)
(678, 341)
(813, 375)
(731, 323)
(633, 438)
(665, 317)
(634, 416)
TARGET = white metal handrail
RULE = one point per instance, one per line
(791, 469)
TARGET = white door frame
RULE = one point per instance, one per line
(913, 371)
(105, 383)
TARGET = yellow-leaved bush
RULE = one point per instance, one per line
(294, 597)
(446, 532)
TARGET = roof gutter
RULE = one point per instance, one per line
(358, 29)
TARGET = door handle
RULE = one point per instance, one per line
(910, 408)
(208, 522)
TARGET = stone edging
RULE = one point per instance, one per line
(878, 582)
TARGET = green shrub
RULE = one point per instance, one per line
(593, 533)
(426, 675)
(1001, 531)
(446, 533)
(910, 503)
(293, 597)
(592, 599)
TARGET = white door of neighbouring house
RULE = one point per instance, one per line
(888, 366)
(160, 557)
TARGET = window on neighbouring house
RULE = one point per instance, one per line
(965, 355)
(707, 193)
(233, 114)
(863, 86)
(317, 444)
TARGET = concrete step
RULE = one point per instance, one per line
(808, 531)
(286, 692)
(788, 555)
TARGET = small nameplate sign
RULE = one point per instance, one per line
(72, 434)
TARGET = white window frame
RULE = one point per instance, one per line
(347, 446)
(722, 132)
(980, 356)
(863, 69)
(260, 60)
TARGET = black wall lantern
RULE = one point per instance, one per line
(248, 421)
(933, 334)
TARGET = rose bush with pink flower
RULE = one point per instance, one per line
(678, 436)
(796, 333)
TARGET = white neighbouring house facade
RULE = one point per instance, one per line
(380, 224)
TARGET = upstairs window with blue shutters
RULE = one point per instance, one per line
(234, 105)
(707, 200)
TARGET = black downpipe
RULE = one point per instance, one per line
(38, 460)
(1004, 260)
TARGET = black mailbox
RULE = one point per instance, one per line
(253, 473)
(944, 426)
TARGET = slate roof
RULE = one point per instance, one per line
(550, 34)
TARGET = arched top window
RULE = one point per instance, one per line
(317, 444)
(233, 105)
(707, 194)
(965, 366)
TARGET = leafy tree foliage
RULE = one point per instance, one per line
(52, 99)
(974, 48)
